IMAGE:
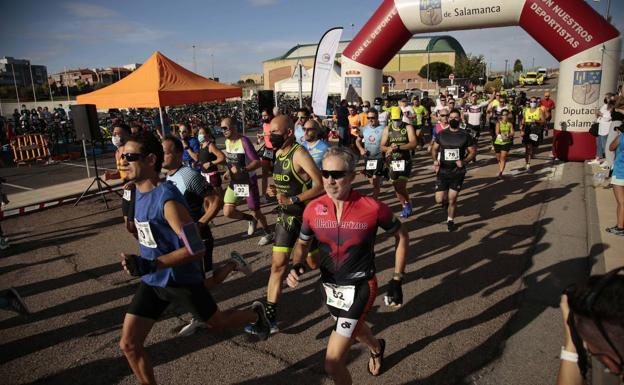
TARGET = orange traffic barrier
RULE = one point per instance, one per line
(29, 148)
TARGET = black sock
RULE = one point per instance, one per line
(271, 310)
(248, 217)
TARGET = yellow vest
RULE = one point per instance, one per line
(530, 117)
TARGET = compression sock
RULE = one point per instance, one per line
(271, 311)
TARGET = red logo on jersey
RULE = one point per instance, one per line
(320, 209)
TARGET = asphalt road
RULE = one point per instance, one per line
(461, 291)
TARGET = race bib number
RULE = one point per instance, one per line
(127, 195)
(451, 154)
(398, 165)
(268, 153)
(241, 190)
(340, 297)
(371, 164)
(534, 137)
(146, 238)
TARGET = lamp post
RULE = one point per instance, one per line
(15, 83)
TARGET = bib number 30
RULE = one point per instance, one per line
(340, 297)
(241, 190)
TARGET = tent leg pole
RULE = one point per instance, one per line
(162, 124)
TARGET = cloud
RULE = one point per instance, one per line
(93, 11)
(262, 3)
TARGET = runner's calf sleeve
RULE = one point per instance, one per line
(138, 266)
(271, 310)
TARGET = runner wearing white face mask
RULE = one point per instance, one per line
(532, 129)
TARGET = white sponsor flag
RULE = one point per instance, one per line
(323, 65)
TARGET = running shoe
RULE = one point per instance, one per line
(191, 328)
(251, 329)
(251, 226)
(241, 264)
(4, 243)
(16, 302)
(262, 326)
(616, 230)
(450, 225)
(595, 161)
(266, 239)
(407, 210)
(527, 166)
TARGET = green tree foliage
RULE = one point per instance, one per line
(471, 67)
(437, 71)
(518, 66)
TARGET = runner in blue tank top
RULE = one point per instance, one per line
(171, 248)
(369, 146)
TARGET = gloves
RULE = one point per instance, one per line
(299, 269)
(138, 266)
(395, 293)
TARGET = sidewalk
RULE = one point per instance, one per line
(38, 199)
(599, 217)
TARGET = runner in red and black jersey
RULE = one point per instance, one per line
(345, 225)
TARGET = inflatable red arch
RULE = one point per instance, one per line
(587, 46)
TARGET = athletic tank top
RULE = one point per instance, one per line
(530, 117)
(371, 137)
(157, 238)
(505, 129)
(398, 136)
(240, 153)
(287, 181)
(123, 170)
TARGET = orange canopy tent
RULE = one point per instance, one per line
(159, 82)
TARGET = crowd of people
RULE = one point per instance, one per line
(176, 184)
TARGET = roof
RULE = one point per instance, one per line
(421, 44)
(159, 82)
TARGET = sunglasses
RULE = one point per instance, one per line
(443, 115)
(131, 156)
(302, 117)
(371, 117)
(334, 174)
(225, 128)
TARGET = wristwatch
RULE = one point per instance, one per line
(294, 199)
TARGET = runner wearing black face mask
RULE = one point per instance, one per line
(296, 181)
(452, 150)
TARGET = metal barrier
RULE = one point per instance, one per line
(29, 148)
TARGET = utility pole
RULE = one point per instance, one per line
(15, 83)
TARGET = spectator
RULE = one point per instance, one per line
(303, 114)
(604, 126)
(342, 121)
(617, 180)
(593, 320)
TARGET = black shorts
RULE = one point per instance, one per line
(127, 203)
(378, 171)
(287, 228)
(151, 301)
(502, 147)
(349, 321)
(474, 131)
(400, 175)
(450, 181)
(526, 140)
(208, 239)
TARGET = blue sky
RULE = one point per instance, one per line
(237, 34)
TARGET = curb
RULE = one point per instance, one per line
(34, 207)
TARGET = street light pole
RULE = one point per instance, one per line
(32, 83)
(15, 83)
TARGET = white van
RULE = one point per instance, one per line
(543, 71)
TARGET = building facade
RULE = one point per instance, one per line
(402, 71)
(22, 68)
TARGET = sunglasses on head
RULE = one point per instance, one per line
(131, 156)
(334, 174)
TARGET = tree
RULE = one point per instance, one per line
(437, 71)
(471, 67)
(518, 66)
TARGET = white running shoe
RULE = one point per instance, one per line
(191, 328)
(268, 238)
(241, 264)
(251, 226)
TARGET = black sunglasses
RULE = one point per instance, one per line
(443, 115)
(225, 128)
(131, 156)
(372, 117)
(334, 174)
(302, 117)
